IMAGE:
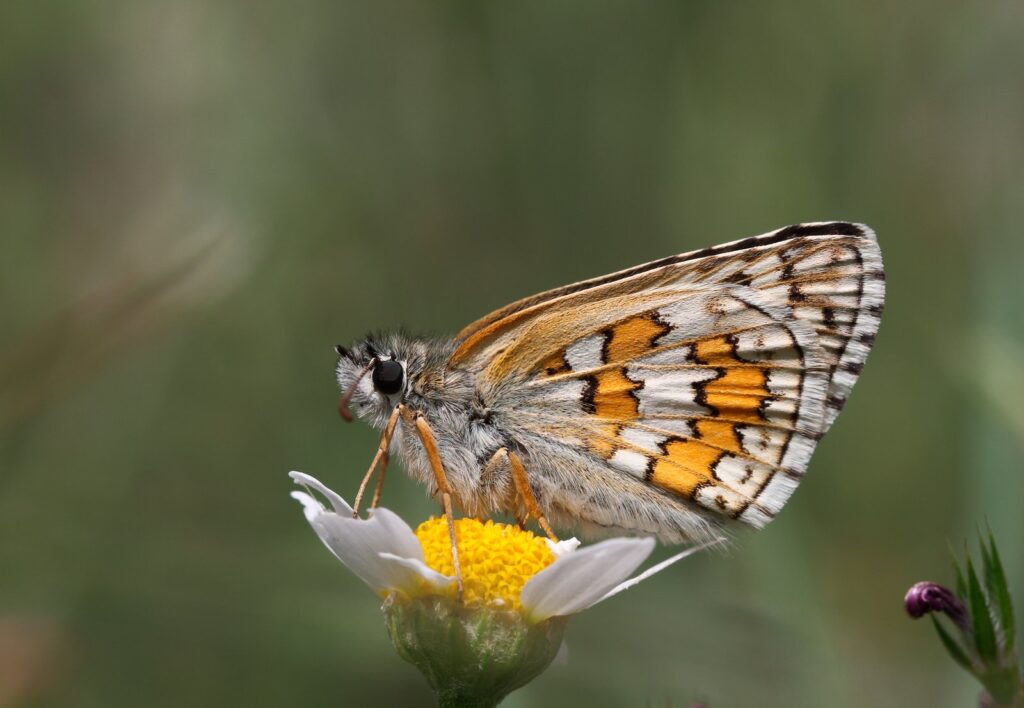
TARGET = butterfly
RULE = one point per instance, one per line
(670, 399)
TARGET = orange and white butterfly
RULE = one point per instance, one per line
(667, 399)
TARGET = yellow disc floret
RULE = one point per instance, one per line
(496, 559)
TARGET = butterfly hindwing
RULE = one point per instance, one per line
(714, 397)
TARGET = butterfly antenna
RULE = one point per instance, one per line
(343, 410)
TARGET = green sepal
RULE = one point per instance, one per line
(998, 591)
(471, 656)
(981, 621)
(952, 646)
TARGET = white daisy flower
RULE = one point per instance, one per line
(518, 590)
(502, 565)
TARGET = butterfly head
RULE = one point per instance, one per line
(373, 379)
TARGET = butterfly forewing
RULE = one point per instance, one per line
(709, 375)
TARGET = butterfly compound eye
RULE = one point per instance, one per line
(387, 377)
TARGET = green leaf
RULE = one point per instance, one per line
(995, 583)
(952, 645)
(981, 620)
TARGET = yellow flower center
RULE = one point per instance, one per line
(496, 559)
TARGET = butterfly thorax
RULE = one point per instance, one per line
(459, 414)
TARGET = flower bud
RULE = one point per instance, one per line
(926, 597)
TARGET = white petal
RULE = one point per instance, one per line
(401, 537)
(636, 579)
(358, 543)
(561, 548)
(580, 579)
(340, 505)
(310, 506)
(413, 569)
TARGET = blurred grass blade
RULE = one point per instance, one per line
(995, 583)
(981, 620)
(952, 646)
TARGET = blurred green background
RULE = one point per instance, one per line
(197, 200)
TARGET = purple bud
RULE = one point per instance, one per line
(926, 597)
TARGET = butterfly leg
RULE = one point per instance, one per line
(522, 483)
(487, 474)
(380, 481)
(430, 445)
(380, 457)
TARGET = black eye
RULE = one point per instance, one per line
(387, 377)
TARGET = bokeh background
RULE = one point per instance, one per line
(197, 200)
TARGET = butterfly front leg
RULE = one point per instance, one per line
(382, 458)
(426, 436)
(522, 486)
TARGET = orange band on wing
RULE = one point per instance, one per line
(611, 392)
(555, 364)
(738, 393)
(685, 465)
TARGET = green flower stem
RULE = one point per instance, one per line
(471, 656)
(1011, 701)
(1004, 687)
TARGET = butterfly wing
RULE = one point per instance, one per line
(828, 274)
(707, 377)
